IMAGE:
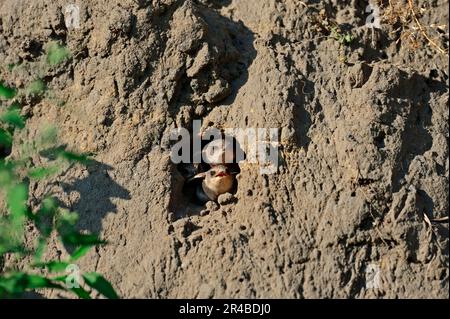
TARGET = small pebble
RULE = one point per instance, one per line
(200, 110)
(212, 206)
(226, 199)
(204, 212)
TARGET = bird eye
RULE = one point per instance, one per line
(213, 173)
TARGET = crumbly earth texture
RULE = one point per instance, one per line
(363, 156)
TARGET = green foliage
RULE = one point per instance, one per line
(80, 252)
(13, 118)
(342, 38)
(5, 138)
(53, 266)
(100, 284)
(36, 88)
(7, 92)
(73, 157)
(42, 172)
(15, 176)
(16, 283)
(56, 53)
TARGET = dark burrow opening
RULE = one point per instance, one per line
(187, 186)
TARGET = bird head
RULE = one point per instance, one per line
(220, 151)
(218, 172)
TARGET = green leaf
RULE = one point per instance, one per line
(11, 247)
(36, 282)
(53, 266)
(99, 283)
(20, 282)
(56, 53)
(61, 152)
(36, 87)
(81, 293)
(74, 157)
(80, 252)
(52, 152)
(16, 199)
(8, 284)
(48, 206)
(348, 38)
(6, 173)
(44, 217)
(6, 91)
(41, 245)
(47, 210)
(13, 117)
(61, 278)
(42, 172)
(5, 138)
(78, 239)
(66, 220)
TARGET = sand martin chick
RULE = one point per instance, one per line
(216, 181)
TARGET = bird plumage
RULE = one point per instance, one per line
(206, 181)
(214, 182)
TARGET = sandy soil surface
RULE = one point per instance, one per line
(363, 153)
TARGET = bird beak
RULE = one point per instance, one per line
(200, 175)
(222, 174)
